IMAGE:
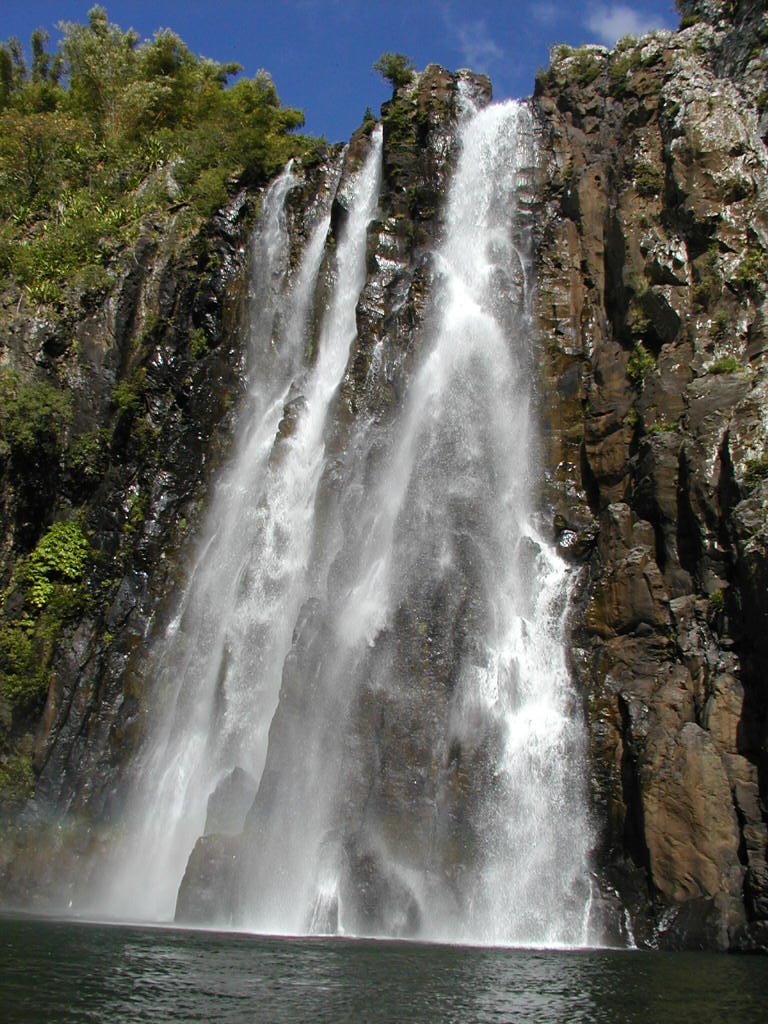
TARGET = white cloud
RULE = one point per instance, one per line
(611, 22)
(478, 50)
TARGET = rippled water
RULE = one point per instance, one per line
(59, 972)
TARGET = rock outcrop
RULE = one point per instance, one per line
(652, 304)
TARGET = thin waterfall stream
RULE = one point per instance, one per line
(373, 638)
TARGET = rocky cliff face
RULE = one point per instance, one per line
(652, 253)
(147, 408)
(652, 300)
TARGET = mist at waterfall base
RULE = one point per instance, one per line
(327, 550)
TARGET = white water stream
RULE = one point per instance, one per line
(218, 668)
(321, 604)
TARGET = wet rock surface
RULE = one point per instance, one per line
(210, 871)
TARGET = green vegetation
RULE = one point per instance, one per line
(561, 52)
(110, 130)
(86, 457)
(752, 272)
(717, 601)
(720, 324)
(33, 418)
(626, 60)
(756, 470)
(48, 591)
(137, 513)
(198, 344)
(586, 66)
(26, 648)
(687, 16)
(106, 138)
(728, 364)
(649, 180)
(60, 557)
(640, 364)
(17, 781)
(395, 68)
(126, 395)
(663, 426)
(708, 286)
(399, 120)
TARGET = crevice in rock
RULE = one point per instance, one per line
(589, 482)
(688, 536)
(615, 296)
(634, 823)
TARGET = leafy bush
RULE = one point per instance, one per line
(561, 52)
(17, 780)
(126, 395)
(626, 60)
(49, 582)
(23, 671)
(61, 555)
(43, 293)
(586, 67)
(752, 271)
(399, 121)
(86, 456)
(137, 513)
(640, 364)
(33, 417)
(649, 180)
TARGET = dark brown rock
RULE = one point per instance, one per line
(650, 210)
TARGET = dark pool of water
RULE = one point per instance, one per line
(59, 972)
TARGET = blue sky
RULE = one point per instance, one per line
(320, 52)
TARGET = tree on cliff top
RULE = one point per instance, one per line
(396, 68)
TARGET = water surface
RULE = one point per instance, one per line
(59, 972)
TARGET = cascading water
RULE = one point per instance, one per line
(218, 667)
(423, 771)
(424, 775)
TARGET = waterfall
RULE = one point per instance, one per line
(375, 628)
(218, 666)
